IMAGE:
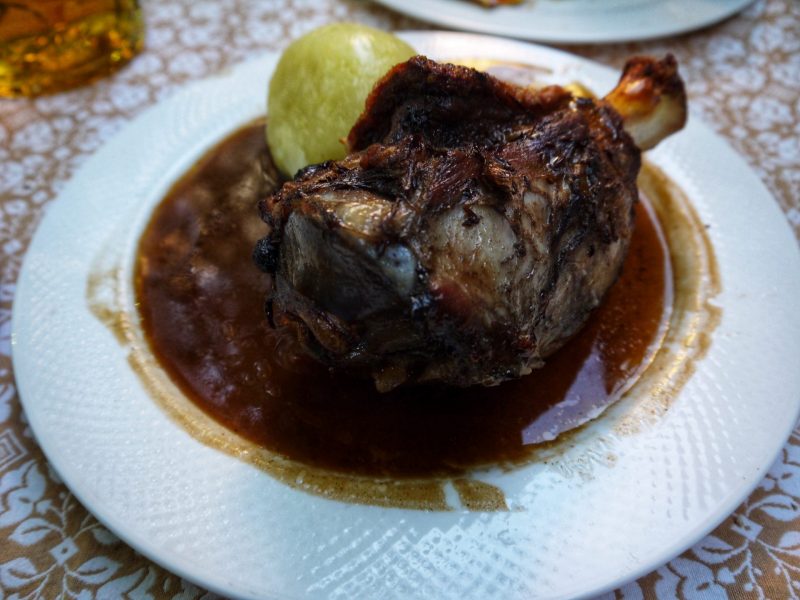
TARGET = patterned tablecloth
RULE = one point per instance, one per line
(744, 80)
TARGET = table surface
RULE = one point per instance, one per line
(743, 78)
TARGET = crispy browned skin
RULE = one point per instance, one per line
(467, 236)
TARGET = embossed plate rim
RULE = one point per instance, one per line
(283, 543)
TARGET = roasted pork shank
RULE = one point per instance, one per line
(472, 228)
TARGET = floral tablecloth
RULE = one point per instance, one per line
(744, 80)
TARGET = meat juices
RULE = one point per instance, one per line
(473, 228)
(201, 305)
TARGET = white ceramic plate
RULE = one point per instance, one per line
(574, 21)
(234, 529)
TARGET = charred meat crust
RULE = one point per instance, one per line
(510, 211)
(449, 105)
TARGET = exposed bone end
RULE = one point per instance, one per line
(651, 99)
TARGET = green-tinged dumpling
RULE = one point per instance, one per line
(319, 88)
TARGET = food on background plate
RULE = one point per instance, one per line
(493, 3)
(472, 228)
(319, 88)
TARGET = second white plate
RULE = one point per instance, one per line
(574, 21)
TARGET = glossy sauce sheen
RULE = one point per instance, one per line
(202, 305)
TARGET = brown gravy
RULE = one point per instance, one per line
(201, 304)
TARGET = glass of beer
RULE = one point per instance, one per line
(52, 45)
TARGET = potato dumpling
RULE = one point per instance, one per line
(319, 88)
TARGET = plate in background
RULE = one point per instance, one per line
(574, 21)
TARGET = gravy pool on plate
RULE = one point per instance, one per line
(201, 305)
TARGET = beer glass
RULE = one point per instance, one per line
(52, 45)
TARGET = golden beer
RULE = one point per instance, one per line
(52, 45)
